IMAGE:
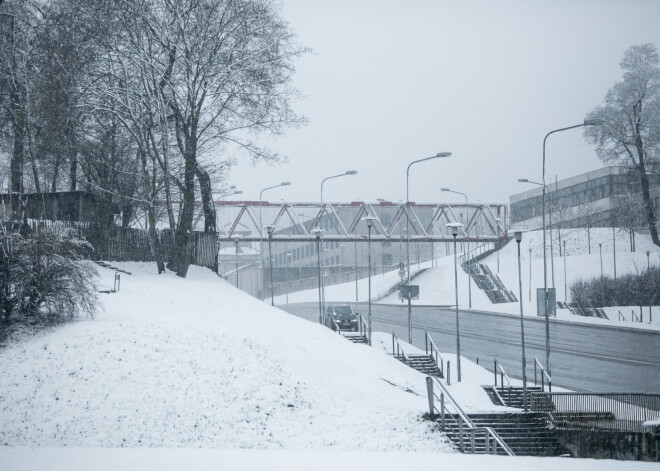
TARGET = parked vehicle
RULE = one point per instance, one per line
(342, 317)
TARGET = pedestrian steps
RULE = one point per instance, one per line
(422, 363)
(509, 396)
(526, 433)
(356, 338)
(489, 283)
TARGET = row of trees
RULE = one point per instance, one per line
(142, 101)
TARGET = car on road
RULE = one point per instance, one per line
(342, 317)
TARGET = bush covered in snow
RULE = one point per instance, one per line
(43, 276)
(641, 289)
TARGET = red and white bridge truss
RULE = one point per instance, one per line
(425, 222)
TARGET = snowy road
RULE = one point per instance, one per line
(583, 356)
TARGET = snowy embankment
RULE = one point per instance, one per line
(195, 362)
(194, 374)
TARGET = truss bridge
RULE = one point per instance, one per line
(420, 222)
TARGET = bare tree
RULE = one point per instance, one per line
(631, 112)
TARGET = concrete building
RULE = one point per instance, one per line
(592, 199)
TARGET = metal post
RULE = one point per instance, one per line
(460, 433)
(442, 410)
(356, 274)
(318, 250)
(448, 373)
(458, 332)
(565, 282)
(648, 261)
(429, 392)
(369, 222)
(614, 249)
(530, 275)
(236, 241)
(600, 250)
(522, 325)
(270, 264)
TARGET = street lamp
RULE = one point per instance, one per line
(436, 156)
(552, 256)
(586, 122)
(237, 239)
(467, 232)
(348, 172)
(369, 220)
(454, 227)
(518, 235)
(261, 239)
(317, 232)
(270, 228)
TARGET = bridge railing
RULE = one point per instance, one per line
(545, 376)
(624, 412)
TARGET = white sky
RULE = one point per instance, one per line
(392, 81)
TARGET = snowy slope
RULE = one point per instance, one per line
(195, 362)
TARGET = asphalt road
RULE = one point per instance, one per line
(585, 357)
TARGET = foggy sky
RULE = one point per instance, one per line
(392, 81)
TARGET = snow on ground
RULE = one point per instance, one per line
(173, 362)
(437, 283)
(194, 374)
(146, 459)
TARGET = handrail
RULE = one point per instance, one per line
(463, 418)
(399, 351)
(544, 374)
(472, 253)
(622, 317)
(337, 328)
(434, 351)
(364, 328)
(634, 316)
(503, 375)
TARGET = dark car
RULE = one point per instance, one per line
(341, 316)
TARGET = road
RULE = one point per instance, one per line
(584, 357)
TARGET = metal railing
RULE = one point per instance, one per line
(364, 327)
(544, 376)
(454, 419)
(483, 248)
(434, 353)
(397, 351)
(624, 412)
(502, 373)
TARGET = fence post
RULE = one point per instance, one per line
(495, 370)
(442, 410)
(472, 440)
(429, 391)
(460, 434)
(448, 373)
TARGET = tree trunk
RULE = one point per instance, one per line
(181, 250)
(151, 214)
(207, 199)
(73, 173)
(18, 154)
(648, 204)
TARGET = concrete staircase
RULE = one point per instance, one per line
(422, 363)
(356, 338)
(509, 396)
(490, 283)
(527, 434)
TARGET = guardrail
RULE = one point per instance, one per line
(475, 252)
(364, 327)
(465, 429)
(433, 352)
(623, 412)
(544, 376)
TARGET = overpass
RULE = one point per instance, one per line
(345, 222)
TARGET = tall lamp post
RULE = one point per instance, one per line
(370, 221)
(287, 257)
(454, 227)
(518, 235)
(436, 156)
(467, 232)
(348, 172)
(586, 122)
(270, 228)
(318, 232)
(552, 256)
(261, 227)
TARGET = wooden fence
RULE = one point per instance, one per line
(116, 243)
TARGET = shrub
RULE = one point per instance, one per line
(43, 276)
(640, 289)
